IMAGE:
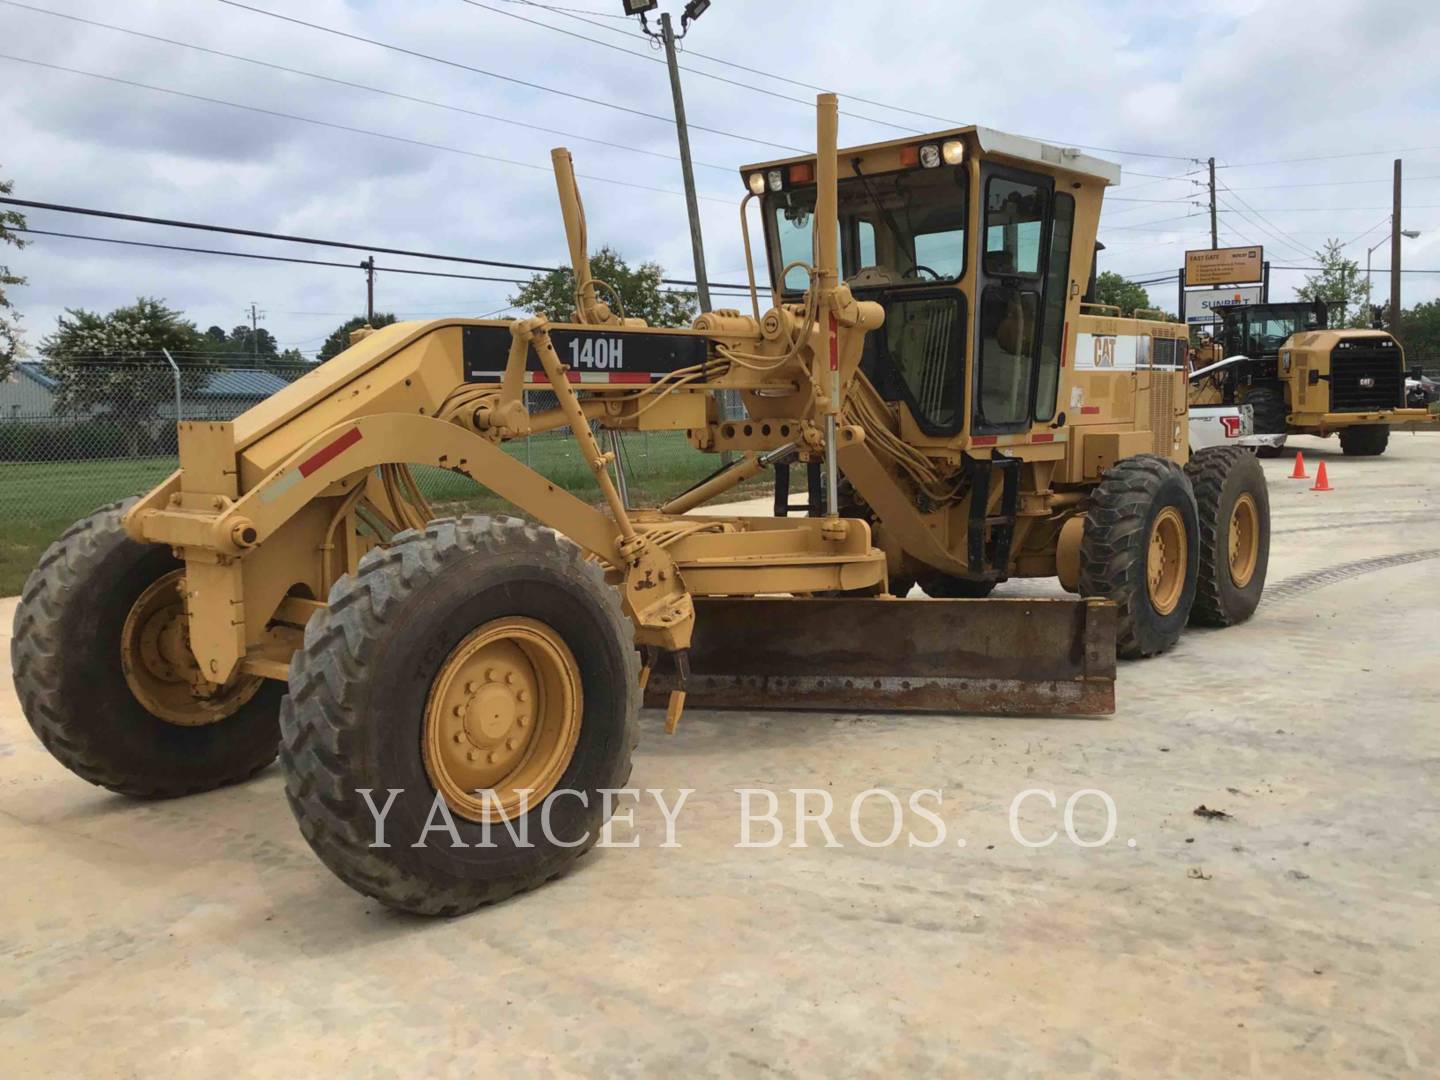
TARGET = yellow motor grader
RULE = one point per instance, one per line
(468, 689)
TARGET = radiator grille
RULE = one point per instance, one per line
(1366, 376)
(1162, 411)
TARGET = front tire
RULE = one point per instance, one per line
(103, 670)
(481, 654)
(1270, 413)
(1233, 504)
(1140, 550)
(1366, 440)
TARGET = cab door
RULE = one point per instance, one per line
(1011, 305)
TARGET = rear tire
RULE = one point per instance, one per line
(361, 714)
(67, 657)
(1367, 440)
(1233, 505)
(1267, 403)
(1140, 549)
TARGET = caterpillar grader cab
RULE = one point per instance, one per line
(452, 699)
(1302, 378)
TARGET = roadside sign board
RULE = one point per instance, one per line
(1202, 305)
(1225, 266)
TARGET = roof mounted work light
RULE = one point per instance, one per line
(638, 7)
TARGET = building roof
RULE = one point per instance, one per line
(254, 383)
(242, 382)
(31, 370)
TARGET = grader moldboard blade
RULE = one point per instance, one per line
(993, 657)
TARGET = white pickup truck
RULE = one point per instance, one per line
(1225, 425)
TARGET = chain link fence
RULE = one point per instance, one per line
(75, 439)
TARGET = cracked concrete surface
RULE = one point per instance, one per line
(200, 937)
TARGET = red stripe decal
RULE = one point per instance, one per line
(1064, 342)
(630, 377)
(983, 440)
(1089, 410)
(1042, 438)
(834, 346)
(329, 453)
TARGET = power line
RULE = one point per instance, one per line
(496, 75)
(692, 71)
(283, 258)
(1146, 225)
(354, 85)
(344, 127)
(949, 122)
(1259, 221)
(1331, 157)
(1335, 209)
(1332, 183)
(230, 230)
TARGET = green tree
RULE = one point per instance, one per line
(1111, 288)
(244, 346)
(113, 367)
(9, 324)
(1341, 285)
(640, 292)
(1420, 335)
(339, 341)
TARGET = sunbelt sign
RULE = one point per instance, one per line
(1203, 305)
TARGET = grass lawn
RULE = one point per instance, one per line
(39, 500)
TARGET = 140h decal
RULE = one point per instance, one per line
(590, 355)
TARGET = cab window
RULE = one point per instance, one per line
(1057, 289)
(1014, 217)
(899, 228)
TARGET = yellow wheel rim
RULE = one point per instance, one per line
(1244, 540)
(503, 717)
(160, 668)
(1166, 560)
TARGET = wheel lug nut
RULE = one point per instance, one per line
(489, 674)
(471, 687)
(459, 710)
(459, 737)
(510, 678)
(510, 744)
(521, 721)
(521, 695)
(492, 757)
(470, 755)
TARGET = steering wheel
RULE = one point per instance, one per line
(914, 271)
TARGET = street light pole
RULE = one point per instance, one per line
(687, 170)
(1408, 234)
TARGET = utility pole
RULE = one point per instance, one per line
(730, 401)
(692, 204)
(1214, 231)
(1394, 326)
(369, 267)
(255, 316)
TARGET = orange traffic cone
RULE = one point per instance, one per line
(1322, 483)
(1299, 473)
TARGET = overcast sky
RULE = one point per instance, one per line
(1247, 81)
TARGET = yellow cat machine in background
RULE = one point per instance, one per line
(1301, 378)
(924, 357)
